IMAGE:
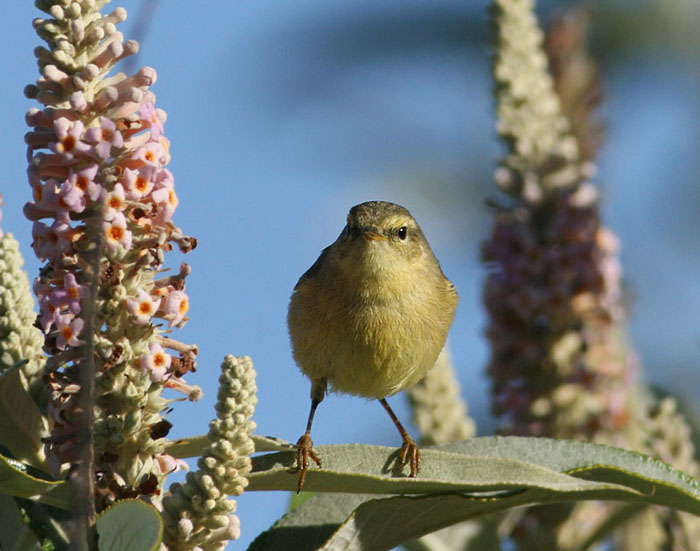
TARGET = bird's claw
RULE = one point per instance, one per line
(305, 450)
(410, 453)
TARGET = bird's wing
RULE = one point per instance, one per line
(315, 267)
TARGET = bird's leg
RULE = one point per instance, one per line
(305, 446)
(409, 450)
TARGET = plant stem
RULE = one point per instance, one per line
(82, 476)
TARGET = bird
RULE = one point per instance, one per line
(370, 317)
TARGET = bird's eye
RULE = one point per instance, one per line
(403, 232)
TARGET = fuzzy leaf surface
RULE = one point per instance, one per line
(22, 425)
(129, 525)
(459, 481)
(357, 468)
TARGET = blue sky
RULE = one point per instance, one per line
(279, 123)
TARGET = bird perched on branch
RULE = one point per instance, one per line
(370, 316)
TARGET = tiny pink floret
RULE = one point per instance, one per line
(68, 332)
(143, 307)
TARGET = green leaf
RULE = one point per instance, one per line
(297, 498)
(310, 524)
(368, 469)
(374, 523)
(329, 519)
(129, 525)
(15, 534)
(15, 480)
(192, 446)
(499, 473)
(22, 425)
(659, 482)
(386, 523)
(271, 444)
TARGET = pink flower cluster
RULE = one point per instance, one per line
(112, 171)
(102, 208)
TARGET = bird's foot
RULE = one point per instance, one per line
(410, 453)
(305, 450)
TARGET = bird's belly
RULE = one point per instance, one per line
(372, 350)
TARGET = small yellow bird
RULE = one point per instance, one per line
(370, 316)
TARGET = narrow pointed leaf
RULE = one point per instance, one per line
(383, 522)
(15, 480)
(481, 464)
(660, 482)
(192, 446)
(22, 425)
(271, 444)
(499, 474)
(369, 469)
(309, 525)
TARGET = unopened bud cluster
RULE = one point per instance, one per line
(19, 339)
(198, 514)
(439, 411)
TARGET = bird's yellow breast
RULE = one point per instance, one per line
(371, 332)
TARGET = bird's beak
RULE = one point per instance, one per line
(371, 233)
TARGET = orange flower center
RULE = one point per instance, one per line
(141, 183)
(68, 143)
(116, 233)
(81, 183)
